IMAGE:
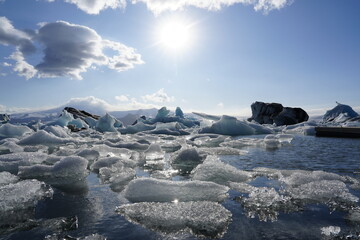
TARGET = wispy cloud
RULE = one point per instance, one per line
(159, 6)
(122, 98)
(69, 50)
(159, 97)
(220, 104)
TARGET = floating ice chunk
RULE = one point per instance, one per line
(129, 145)
(241, 187)
(179, 113)
(107, 123)
(106, 162)
(105, 150)
(243, 142)
(64, 119)
(89, 154)
(57, 131)
(207, 219)
(91, 122)
(207, 141)
(265, 203)
(186, 159)
(9, 130)
(229, 126)
(271, 141)
(117, 177)
(11, 162)
(298, 178)
(164, 174)
(340, 113)
(156, 190)
(22, 195)
(171, 128)
(260, 129)
(7, 178)
(171, 146)
(138, 127)
(68, 170)
(44, 138)
(223, 151)
(78, 123)
(216, 171)
(154, 152)
(305, 128)
(323, 191)
(330, 230)
(162, 113)
(10, 147)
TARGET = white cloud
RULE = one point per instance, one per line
(6, 64)
(23, 68)
(122, 98)
(68, 49)
(159, 6)
(220, 104)
(95, 6)
(158, 97)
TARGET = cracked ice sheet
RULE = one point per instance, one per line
(203, 218)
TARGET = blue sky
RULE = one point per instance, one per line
(301, 53)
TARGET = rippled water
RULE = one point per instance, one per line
(95, 209)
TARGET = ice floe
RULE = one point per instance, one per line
(216, 171)
(203, 218)
(156, 190)
(9, 130)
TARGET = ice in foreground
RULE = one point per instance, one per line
(21, 196)
(207, 219)
(156, 190)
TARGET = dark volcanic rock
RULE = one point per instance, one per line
(4, 118)
(270, 113)
(80, 113)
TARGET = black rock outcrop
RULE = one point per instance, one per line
(275, 113)
(80, 113)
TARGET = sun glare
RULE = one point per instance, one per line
(175, 35)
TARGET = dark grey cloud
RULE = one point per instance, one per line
(11, 36)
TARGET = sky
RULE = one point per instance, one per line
(213, 56)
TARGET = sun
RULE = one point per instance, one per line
(175, 35)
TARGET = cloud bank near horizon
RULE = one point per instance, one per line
(68, 50)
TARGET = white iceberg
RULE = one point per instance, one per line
(21, 195)
(207, 219)
(67, 171)
(156, 190)
(108, 123)
(228, 125)
(42, 137)
(154, 152)
(9, 130)
(12, 162)
(216, 171)
(7, 178)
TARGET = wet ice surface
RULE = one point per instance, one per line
(178, 186)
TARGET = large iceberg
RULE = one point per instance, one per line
(339, 114)
(203, 218)
(156, 190)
